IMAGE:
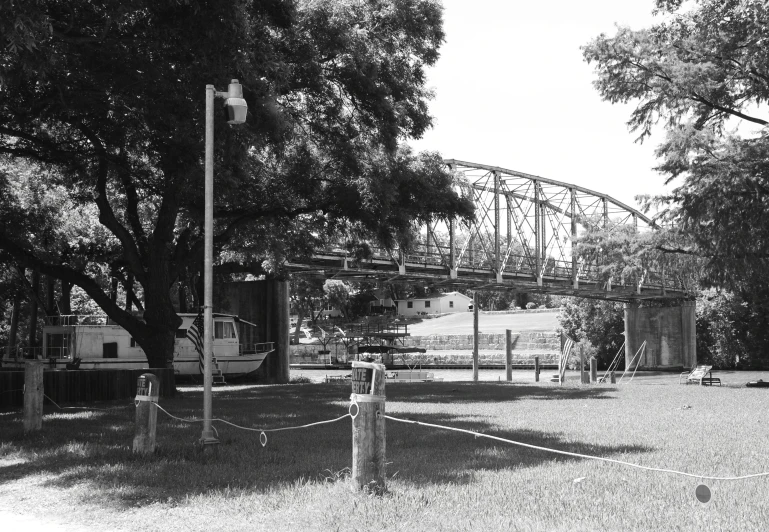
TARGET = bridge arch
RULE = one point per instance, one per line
(521, 239)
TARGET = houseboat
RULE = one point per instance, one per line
(95, 342)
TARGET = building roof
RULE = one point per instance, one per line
(438, 296)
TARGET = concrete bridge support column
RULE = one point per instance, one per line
(669, 333)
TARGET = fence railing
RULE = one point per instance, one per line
(67, 320)
(251, 349)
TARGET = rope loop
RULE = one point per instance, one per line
(263, 439)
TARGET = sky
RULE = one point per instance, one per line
(512, 90)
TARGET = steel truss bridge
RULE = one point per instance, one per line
(521, 239)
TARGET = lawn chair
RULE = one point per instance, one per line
(700, 375)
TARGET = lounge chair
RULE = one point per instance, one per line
(700, 375)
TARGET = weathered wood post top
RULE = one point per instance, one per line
(147, 392)
(33, 395)
(368, 426)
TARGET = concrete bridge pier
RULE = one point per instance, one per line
(669, 333)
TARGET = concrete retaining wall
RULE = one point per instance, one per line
(669, 333)
(454, 349)
(525, 341)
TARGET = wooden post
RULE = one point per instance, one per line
(33, 395)
(613, 378)
(147, 392)
(582, 374)
(368, 426)
(593, 370)
(475, 337)
(536, 369)
(509, 354)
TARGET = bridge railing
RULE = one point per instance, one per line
(518, 264)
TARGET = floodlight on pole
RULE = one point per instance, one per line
(236, 109)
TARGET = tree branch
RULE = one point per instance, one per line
(27, 259)
(106, 214)
(697, 98)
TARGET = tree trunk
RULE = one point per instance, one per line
(33, 309)
(299, 318)
(129, 293)
(182, 298)
(158, 345)
(197, 286)
(50, 296)
(113, 290)
(158, 337)
(65, 303)
(14, 326)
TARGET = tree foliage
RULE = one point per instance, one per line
(109, 101)
(599, 323)
(703, 74)
(338, 295)
(701, 71)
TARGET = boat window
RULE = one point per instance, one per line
(224, 329)
(109, 350)
(58, 345)
(181, 333)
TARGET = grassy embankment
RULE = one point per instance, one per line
(81, 470)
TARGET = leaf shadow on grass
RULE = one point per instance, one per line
(471, 392)
(95, 451)
(435, 455)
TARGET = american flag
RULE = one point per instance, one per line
(195, 335)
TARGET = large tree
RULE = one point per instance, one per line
(109, 99)
(703, 74)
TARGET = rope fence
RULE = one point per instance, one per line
(366, 411)
(576, 455)
(64, 407)
(353, 403)
(262, 432)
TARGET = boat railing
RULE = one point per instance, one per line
(33, 353)
(262, 347)
(66, 320)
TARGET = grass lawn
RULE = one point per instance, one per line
(462, 323)
(80, 468)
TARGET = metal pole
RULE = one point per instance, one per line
(452, 257)
(497, 259)
(537, 239)
(475, 336)
(508, 355)
(574, 281)
(207, 437)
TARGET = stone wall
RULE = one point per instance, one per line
(452, 349)
(525, 341)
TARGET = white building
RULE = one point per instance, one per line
(437, 304)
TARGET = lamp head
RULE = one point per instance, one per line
(235, 106)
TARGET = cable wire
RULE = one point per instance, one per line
(199, 420)
(577, 455)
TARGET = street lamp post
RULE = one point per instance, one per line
(236, 109)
